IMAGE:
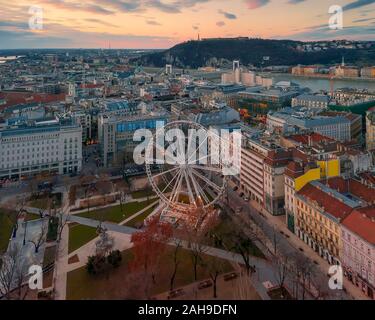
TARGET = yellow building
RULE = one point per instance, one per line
(319, 212)
(297, 175)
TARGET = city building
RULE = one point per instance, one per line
(347, 72)
(311, 101)
(370, 129)
(368, 72)
(84, 119)
(319, 212)
(298, 174)
(115, 134)
(42, 146)
(339, 127)
(305, 70)
(358, 249)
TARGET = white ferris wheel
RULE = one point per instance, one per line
(191, 182)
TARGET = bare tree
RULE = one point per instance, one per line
(40, 238)
(176, 262)
(243, 245)
(197, 250)
(282, 269)
(16, 206)
(13, 274)
(63, 220)
(214, 267)
(302, 271)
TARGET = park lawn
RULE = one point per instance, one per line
(43, 203)
(114, 214)
(79, 235)
(185, 273)
(6, 226)
(140, 218)
(142, 194)
(80, 285)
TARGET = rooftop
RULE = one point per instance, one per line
(362, 222)
(330, 201)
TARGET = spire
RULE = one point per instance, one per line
(343, 61)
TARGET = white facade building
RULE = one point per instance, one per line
(49, 146)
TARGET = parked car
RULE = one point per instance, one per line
(205, 284)
(235, 188)
(176, 293)
(230, 276)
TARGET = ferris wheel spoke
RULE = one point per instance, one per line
(198, 189)
(190, 191)
(177, 187)
(200, 159)
(208, 181)
(206, 168)
(170, 182)
(197, 149)
(165, 172)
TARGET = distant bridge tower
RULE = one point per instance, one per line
(168, 69)
(237, 71)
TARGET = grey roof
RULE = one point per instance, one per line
(309, 97)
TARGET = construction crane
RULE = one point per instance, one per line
(332, 84)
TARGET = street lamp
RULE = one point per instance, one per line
(24, 235)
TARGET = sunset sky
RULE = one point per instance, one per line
(164, 23)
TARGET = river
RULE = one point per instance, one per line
(324, 84)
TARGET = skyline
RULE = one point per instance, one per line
(157, 24)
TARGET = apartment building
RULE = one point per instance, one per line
(254, 152)
(294, 120)
(320, 210)
(311, 101)
(368, 72)
(43, 146)
(358, 249)
(115, 134)
(322, 206)
(84, 119)
(298, 174)
(370, 129)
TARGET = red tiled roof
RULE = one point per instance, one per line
(369, 177)
(305, 139)
(331, 205)
(13, 98)
(362, 223)
(294, 170)
(354, 187)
